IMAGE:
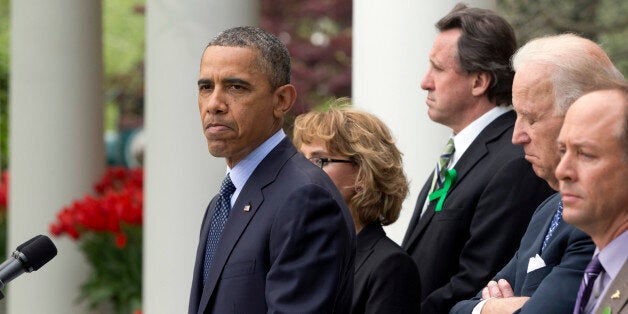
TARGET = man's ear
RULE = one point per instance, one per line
(284, 99)
(481, 82)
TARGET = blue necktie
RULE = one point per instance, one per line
(591, 273)
(217, 224)
(558, 215)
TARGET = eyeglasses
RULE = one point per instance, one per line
(322, 162)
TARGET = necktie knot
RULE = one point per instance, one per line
(594, 267)
(227, 188)
(591, 272)
(443, 164)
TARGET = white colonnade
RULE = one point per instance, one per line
(56, 138)
(56, 126)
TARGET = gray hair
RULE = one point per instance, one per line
(577, 65)
(273, 57)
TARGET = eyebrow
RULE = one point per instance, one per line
(229, 80)
(318, 153)
(434, 64)
(204, 81)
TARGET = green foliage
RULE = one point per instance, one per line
(123, 37)
(603, 21)
(108, 262)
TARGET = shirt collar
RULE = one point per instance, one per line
(464, 138)
(614, 254)
(244, 169)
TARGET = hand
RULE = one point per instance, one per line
(499, 289)
(502, 298)
(503, 305)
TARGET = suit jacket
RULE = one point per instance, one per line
(616, 297)
(386, 278)
(292, 251)
(486, 210)
(553, 288)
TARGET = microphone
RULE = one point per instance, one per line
(27, 257)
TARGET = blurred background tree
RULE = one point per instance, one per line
(318, 36)
(123, 45)
(603, 21)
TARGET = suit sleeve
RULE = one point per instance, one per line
(558, 290)
(501, 217)
(311, 252)
(393, 286)
(509, 272)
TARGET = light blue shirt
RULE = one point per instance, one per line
(244, 169)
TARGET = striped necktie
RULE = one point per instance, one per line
(442, 165)
(591, 273)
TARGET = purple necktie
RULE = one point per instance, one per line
(592, 271)
(217, 224)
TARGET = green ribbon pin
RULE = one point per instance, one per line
(607, 310)
(441, 194)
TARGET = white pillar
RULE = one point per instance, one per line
(391, 45)
(181, 176)
(56, 138)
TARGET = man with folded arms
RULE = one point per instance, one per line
(544, 274)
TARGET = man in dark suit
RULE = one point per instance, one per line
(543, 276)
(593, 175)
(278, 238)
(478, 201)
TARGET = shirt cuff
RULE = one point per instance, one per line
(478, 308)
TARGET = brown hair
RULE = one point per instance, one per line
(486, 44)
(365, 140)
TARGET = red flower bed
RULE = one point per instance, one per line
(118, 201)
(108, 228)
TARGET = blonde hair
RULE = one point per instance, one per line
(381, 185)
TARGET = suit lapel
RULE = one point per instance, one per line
(616, 296)
(197, 289)
(252, 198)
(471, 157)
(366, 240)
(414, 221)
(478, 148)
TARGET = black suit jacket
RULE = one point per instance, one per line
(553, 288)
(288, 246)
(486, 211)
(386, 278)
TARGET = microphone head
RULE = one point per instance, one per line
(37, 252)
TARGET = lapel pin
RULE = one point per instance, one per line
(616, 295)
(247, 207)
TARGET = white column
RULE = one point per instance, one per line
(391, 44)
(56, 138)
(181, 176)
